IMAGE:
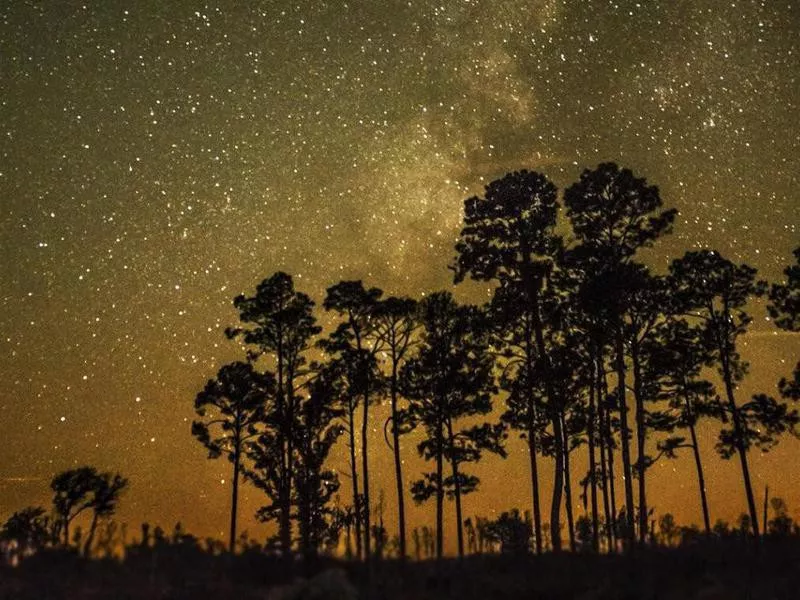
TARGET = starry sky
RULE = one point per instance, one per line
(159, 158)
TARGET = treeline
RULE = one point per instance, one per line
(581, 349)
(586, 349)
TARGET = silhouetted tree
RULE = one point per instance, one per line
(678, 356)
(356, 305)
(30, 528)
(508, 237)
(395, 323)
(613, 214)
(450, 378)
(78, 490)
(232, 407)
(277, 324)
(317, 431)
(345, 371)
(107, 490)
(784, 307)
(715, 291)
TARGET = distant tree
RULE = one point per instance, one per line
(784, 304)
(78, 490)
(784, 307)
(508, 237)
(106, 493)
(395, 326)
(678, 356)
(513, 532)
(318, 429)
(449, 379)
(614, 214)
(30, 528)
(232, 407)
(715, 291)
(781, 523)
(356, 304)
(277, 325)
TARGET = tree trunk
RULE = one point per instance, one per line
(234, 497)
(365, 471)
(354, 478)
(537, 517)
(739, 437)
(590, 432)
(641, 465)
(87, 547)
(699, 465)
(568, 489)
(398, 466)
(457, 484)
(533, 283)
(439, 496)
(628, 532)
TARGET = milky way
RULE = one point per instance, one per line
(159, 158)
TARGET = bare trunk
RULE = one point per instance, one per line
(699, 466)
(365, 473)
(641, 461)
(537, 517)
(398, 466)
(457, 484)
(87, 547)
(354, 479)
(739, 436)
(592, 466)
(568, 489)
(234, 498)
(439, 497)
(628, 532)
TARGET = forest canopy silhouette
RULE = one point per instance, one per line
(582, 349)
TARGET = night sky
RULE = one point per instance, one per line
(159, 158)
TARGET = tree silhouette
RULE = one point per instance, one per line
(30, 528)
(356, 304)
(450, 378)
(613, 214)
(78, 490)
(318, 429)
(107, 490)
(232, 407)
(277, 324)
(345, 371)
(714, 290)
(678, 356)
(508, 237)
(395, 325)
(784, 307)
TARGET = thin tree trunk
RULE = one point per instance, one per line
(592, 466)
(439, 496)
(699, 466)
(457, 483)
(398, 466)
(234, 497)
(568, 489)
(365, 471)
(532, 283)
(739, 436)
(624, 435)
(609, 433)
(87, 547)
(537, 515)
(354, 478)
(641, 464)
(537, 518)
